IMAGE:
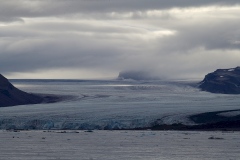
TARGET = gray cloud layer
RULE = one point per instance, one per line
(170, 39)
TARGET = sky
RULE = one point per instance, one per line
(97, 39)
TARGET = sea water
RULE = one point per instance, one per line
(119, 145)
(112, 104)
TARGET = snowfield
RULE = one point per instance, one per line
(119, 145)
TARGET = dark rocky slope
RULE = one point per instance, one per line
(226, 81)
(11, 96)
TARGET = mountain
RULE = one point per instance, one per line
(225, 81)
(11, 96)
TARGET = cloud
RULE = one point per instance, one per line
(56, 8)
(101, 38)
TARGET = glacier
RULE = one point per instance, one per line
(112, 104)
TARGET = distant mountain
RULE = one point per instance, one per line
(226, 81)
(136, 75)
(11, 96)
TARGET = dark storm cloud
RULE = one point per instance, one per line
(12, 9)
(177, 38)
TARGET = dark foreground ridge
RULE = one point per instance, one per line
(225, 81)
(11, 96)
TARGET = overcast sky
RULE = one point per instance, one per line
(89, 39)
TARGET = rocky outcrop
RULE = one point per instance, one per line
(225, 81)
(11, 96)
(136, 75)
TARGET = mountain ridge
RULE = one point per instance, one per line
(225, 81)
(12, 96)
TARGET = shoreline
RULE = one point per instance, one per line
(219, 126)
